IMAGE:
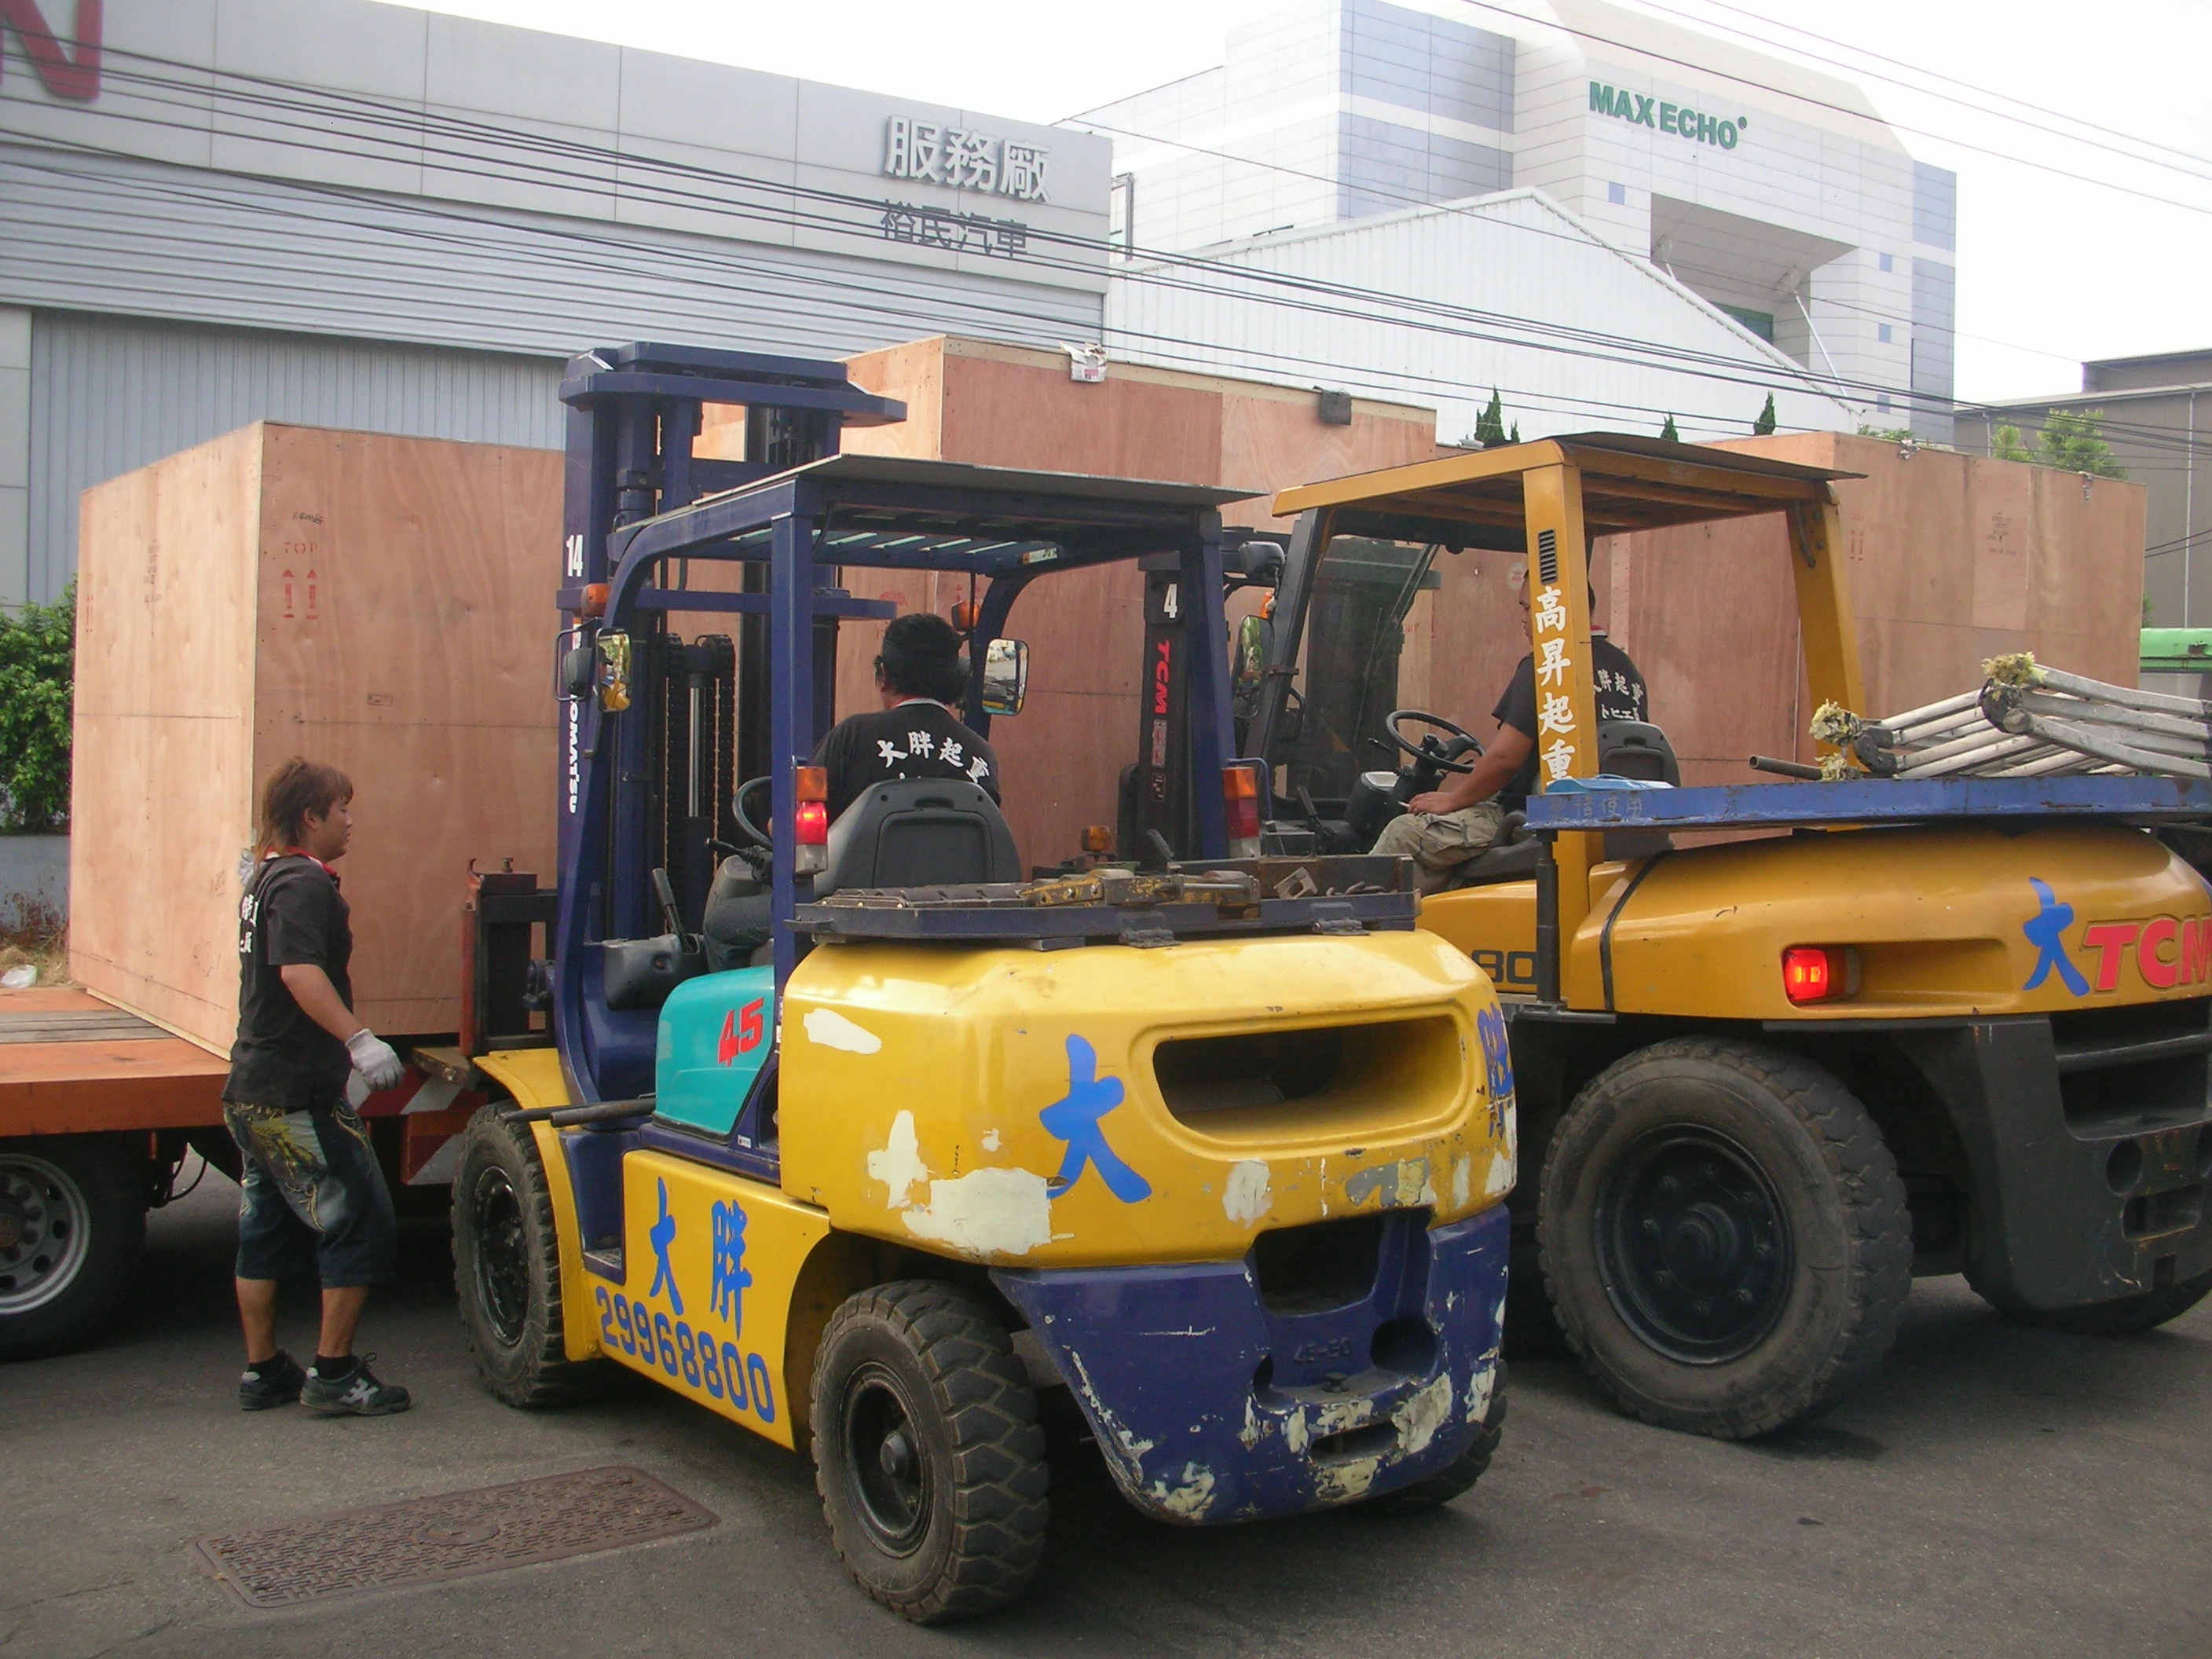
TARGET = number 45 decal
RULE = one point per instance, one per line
(742, 1032)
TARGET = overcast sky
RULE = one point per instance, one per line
(2051, 269)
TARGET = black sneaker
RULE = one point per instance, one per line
(357, 1394)
(258, 1393)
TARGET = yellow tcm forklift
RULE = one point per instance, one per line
(1209, 1164)
(1921, 1026)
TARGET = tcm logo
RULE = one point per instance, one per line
(2168, 950)
(62, 76)
(1162, 669)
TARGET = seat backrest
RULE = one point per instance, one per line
(1637, 748)
(920, 832)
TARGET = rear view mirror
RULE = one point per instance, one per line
(1251, 662)
(1005, 676)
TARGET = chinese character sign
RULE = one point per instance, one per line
(932, 153)
(1556, 734)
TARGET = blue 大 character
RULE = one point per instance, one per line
(663, 1234)
(731, 1277)
(2046, 932)
(1074, 1118)
(1496, 1062)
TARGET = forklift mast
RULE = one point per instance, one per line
(635, 413)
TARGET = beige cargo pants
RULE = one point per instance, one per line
(1439, 844)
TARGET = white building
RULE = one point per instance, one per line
(1776, 194)
(359, 215)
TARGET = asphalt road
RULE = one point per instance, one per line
(1998, 1491)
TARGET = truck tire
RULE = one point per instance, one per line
(927, 1452)
(72, 1230)
(1725, 1239)
(1457, 1478)
(506, 1271)
(2126, 1315)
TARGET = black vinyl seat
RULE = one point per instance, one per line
(1626, 749)
(920, 832)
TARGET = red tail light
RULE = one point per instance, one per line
(813, 824)
(1817, 972)
(1240, 792)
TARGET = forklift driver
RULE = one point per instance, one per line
(915, 734)
(1444, 827)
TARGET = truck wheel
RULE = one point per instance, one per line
(927, 1452)
(72, 1229)
(1454, 1480)
(1725, 1238)
(2127, 1315)
(506, 1271)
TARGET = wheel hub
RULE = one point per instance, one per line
(888, 1472)
(1694, 1245)
(502, 1255)
(45, 1231)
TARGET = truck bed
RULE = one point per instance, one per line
(70, 1064)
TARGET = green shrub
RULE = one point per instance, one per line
(37, 655)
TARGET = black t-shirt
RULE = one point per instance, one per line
(290, 916)
(918, 739)
(1620, 696)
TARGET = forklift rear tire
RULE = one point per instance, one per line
(506, 1271)
(2127, 1315)
(1725, 1238)
(72, 1231)
(928, 1453)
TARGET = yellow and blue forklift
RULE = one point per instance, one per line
(1918, 1026)
(1214, 1157)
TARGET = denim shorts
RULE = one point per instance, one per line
(312, 1196)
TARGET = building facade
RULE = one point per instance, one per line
(2157, 416)
(1778, 196)
(353, 213)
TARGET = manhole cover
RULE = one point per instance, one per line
(451, 1535)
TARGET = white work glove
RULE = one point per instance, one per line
(377, 1061)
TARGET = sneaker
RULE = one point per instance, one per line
(258, 1393)
(357, 1394)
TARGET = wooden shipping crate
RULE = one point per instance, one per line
(1954, 558)
(382, 604)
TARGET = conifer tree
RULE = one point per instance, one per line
(1764, 425)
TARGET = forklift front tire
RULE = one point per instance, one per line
(506, 1271)
(1725, 1238)
(928, 1453)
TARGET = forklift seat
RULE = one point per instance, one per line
(920, 832)
(1637, 748)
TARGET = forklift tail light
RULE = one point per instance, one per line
(811, 821)
(1819, 973)
(1240, 792)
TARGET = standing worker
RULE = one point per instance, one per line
(310, 1189)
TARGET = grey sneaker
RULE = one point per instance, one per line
(357, 1394)
(258, 1393)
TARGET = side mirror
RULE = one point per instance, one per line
(1250, 666)
(1005, 676)
(614, 672)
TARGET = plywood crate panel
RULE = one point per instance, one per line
(382, 604)
(1952, 559)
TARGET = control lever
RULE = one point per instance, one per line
(669, 915)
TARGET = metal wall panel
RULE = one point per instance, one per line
(95, 234)
(111, 394)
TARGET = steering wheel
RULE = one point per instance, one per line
(759, 836)
(1445, 756)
